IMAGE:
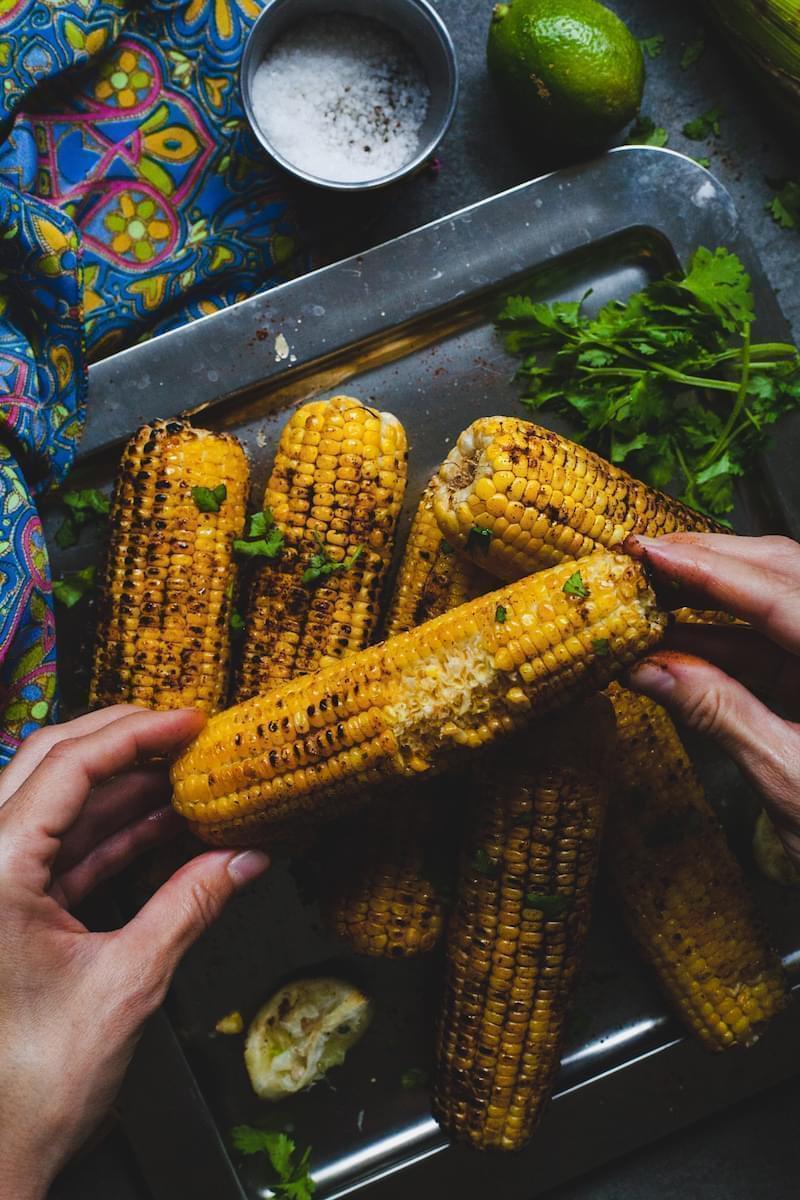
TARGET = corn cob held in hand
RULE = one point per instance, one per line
(163, 635)
(516, 497)
(516, 935)
(383, 897)
(681, 892)
(335, 493)
(416, 703)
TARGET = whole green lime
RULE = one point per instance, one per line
(569, 71)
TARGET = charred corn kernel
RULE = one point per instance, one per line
(516, 497)
(432, 578)
(410, 703)
(516, 935)
(682, 893)
(163, 634)
(338, 481)
(386, 893)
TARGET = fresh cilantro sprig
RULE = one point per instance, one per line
(702, 127)
(262, 538)
(550, 906)
(692, 52)
(72, 588)
(87, 504)
(645, 132)
(667, 382)
(321, 565)
(653, 46)
(784, 207)
(210, 500)
(294, 1181)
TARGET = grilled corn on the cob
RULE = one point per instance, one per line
(336, 488)
(516, 497)
(516, 935)
(163, 636)
(409, 705)
(681, 891)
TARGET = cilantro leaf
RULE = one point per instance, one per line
(692, 52)
(719, 281)
(702, 127)
(72, 588)
(84, 505)
(575, 586)
(551, 906)
(210, 500)
(294, 1180)
(645, 132)
(653, 46)
(321, 565)
(236, 622)
(601, 646)
(484, 865)
(784, 207)
(702, 160)
(500, 614)
(262, 538)
(479, 538)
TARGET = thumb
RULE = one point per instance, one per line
(702, 697)
(149, 948)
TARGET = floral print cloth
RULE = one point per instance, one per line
(133, 197)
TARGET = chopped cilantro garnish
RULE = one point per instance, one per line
(653, 46)
(702, 160)
(262, 539)
(321, 564)
(500, 614)
(575, 586)
(551, 906)
(446, 548)
(237, 622)
(665, 382)
(692, 52)
(702, 127)
(294, 1180)
(645, 132)
(483, 864)
(784, 207)
(210, 500)
(479, 538)
(601, 646)
(72, 588)
(84, 505)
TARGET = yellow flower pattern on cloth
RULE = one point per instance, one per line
(138, 227)
(124, 82)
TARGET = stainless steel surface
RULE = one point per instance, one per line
(419, 25)
(409, 324)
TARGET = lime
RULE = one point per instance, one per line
(569, 71)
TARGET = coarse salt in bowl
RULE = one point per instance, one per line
(349, 97)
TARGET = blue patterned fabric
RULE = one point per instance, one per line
(133, 197)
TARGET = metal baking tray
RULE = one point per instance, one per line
(409, 326)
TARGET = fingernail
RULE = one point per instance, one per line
(637, 545)
(246, 866)
(651, 678)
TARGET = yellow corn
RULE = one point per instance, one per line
(163, 636)
(516, 497)
(413, 704)
(515, 939)
(338, 480)
(681, 891)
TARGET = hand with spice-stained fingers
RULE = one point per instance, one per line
(79, 802)
(738, 683)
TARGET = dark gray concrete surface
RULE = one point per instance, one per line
(749, 1152)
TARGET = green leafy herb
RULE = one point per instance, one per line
(237, 622)
(666, 382)
(702, 127)
(575, 586)
(692, 52)
(446, 548)
(500, 614)
(210, 500)
(484, 865)
(702, 160)
(601, 646)
(414, 1077)
(262, 539)
(645, 132)
(479, 538)
(84, 505)
(321, 564)
(294, 1181)
(72, 588)
(653, 46)
(551, 906)
(784, 207)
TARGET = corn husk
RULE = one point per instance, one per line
(766, 34)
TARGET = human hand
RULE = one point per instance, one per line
(708, 675)
(80, 801)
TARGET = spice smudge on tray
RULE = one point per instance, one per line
(342, 98)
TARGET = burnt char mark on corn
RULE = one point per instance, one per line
(680, 890)
(413, 704)
(164, 608)
(339, 476)
(516, 934)
(544, 499)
